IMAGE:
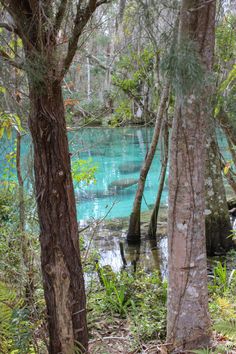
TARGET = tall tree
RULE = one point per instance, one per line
(42, 25)
(188, 320)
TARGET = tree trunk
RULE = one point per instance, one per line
(218, 226)
(188, 323)
(25, 245)
(60, 257)
(133, 235)
(152, 229)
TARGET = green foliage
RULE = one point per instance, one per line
(138, 68)
(226, 40)
(122, 113)
(182, 65)
(222, 281)
(141, 297)
(202, 351)
(220, 277)
(117, 298)
(84, 171)
(227, 327)
(15, 328)
(226, 94)
(9, 121)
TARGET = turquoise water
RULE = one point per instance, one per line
(118, 154)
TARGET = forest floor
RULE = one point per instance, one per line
(115, 333)
(117, 339)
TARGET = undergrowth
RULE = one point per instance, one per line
(138, 297)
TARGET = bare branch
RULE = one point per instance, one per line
(81, 19)
(60, 15)
(9, 27)
(9, 60)
(98, 62)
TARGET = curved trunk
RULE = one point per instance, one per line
(60, 256)
(133, 235)
(218, 226)
(152, 229)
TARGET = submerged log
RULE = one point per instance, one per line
(122, 183)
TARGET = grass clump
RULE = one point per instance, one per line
(138, 299)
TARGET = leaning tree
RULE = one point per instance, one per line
(50, 30)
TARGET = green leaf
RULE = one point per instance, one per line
(8, 131)
(1, 132)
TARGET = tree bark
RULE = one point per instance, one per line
(60, 257)
(188, 323)
(133, 235)
(218, 226)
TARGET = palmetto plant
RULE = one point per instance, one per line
(15, 329)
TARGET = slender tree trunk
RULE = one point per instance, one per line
(133, 234)
(60, 257)
(26, 254)
(218, 226)
(188, 323)
(88, 80)
(152, 229)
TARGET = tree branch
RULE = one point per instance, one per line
(10, 61)
(81, 19)
(9, 27)
(60, 15)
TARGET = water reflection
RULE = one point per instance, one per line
(109, 241)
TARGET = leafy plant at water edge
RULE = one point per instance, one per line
(84, 171)
(140, 297)
(116, 295)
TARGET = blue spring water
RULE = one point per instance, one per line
(118, 154)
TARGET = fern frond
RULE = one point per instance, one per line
(228, 328)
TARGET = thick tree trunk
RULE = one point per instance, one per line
(188, 323)
(152, 229)
(218, 226)
(133, 235)
(60, 256)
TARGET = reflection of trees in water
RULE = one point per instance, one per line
(132, 255)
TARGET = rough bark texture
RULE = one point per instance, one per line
(218, 226)
(152, 229)
(188, 320)
(38, 23)
(133, 235)
(60, 257)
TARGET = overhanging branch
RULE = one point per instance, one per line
(9, 27)
(6, 58)
(81, 19)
